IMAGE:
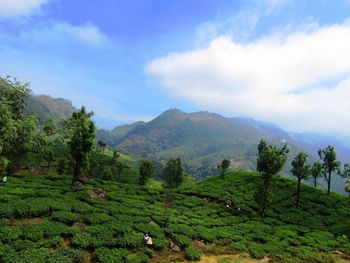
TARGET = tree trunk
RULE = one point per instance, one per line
(315, 181)
(329, 182)
(48, 167)
(298, 192)
(264, 197)
(77, 169)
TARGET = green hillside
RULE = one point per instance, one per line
(45, 107)
(43, 220)
(202, 139)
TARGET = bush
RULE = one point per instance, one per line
(192, 253)
(183, 240)
(81, 240)
(257, 250)
(138, 258)
(65, 217)
(115, 255)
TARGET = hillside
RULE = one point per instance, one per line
(45, 107)
(204, 139)
(43, 220)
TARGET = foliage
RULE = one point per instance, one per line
(192, 253)
(173, 173)
(146, 172)
(301, 170)
(316, 172)
(223, 167)
(330, 163)
(81, 133)
(270, 161)
(41, 212)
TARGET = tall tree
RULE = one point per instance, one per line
(347, 186)
(16, 132)
(102, 145)
(146, 171)
(81, 134)
(223, 167)
(330, 163)
(173, 173)
(316, 172)
(346, 174)
(301, 170)
(270, 161)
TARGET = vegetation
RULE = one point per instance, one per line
(173, 174)
(301, 170)
(44, 221)
(270, 161)
(316, 172)
(223, 167)
(81, 134)
(146, 172)
(330, 163)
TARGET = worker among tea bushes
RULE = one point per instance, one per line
(148, 240)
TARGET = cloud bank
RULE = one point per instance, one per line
(15, 8)
(299, 79)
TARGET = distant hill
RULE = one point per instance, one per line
(204, 139)
(45, 106)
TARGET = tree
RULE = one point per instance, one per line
(270, 161)
(173, 173)
(102, 145)
(330, 163)
(81, 133)
(223, 167)
(316, 172)
(16, 132)
(347, 186)
(301, 170)
(146, 171)
(48, 155)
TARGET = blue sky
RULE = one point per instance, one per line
(283, 61)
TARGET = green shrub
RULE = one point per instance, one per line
(8, 233)
(192, 253)
(115, 255)
(65, 217)
(138, 258)
(97, 218)
(257, 250)
(183, 240)
(81, 240)
(33, 232)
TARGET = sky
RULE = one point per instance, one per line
(281, 61)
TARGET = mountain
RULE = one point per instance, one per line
(204, 139)
(45, 107)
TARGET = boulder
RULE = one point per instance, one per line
(174, 247)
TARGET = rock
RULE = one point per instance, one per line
(96, 193)
(200, 245)
(174, 247)
(83, 179)
(264, 260)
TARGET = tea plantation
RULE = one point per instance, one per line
(43, 219)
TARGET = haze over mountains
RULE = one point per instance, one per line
(201, 139)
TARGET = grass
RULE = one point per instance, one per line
(43, 219)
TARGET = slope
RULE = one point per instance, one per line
(42, 219)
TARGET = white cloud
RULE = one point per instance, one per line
(15, 8)
(299, 79)
(272, 5)
(59, 32)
